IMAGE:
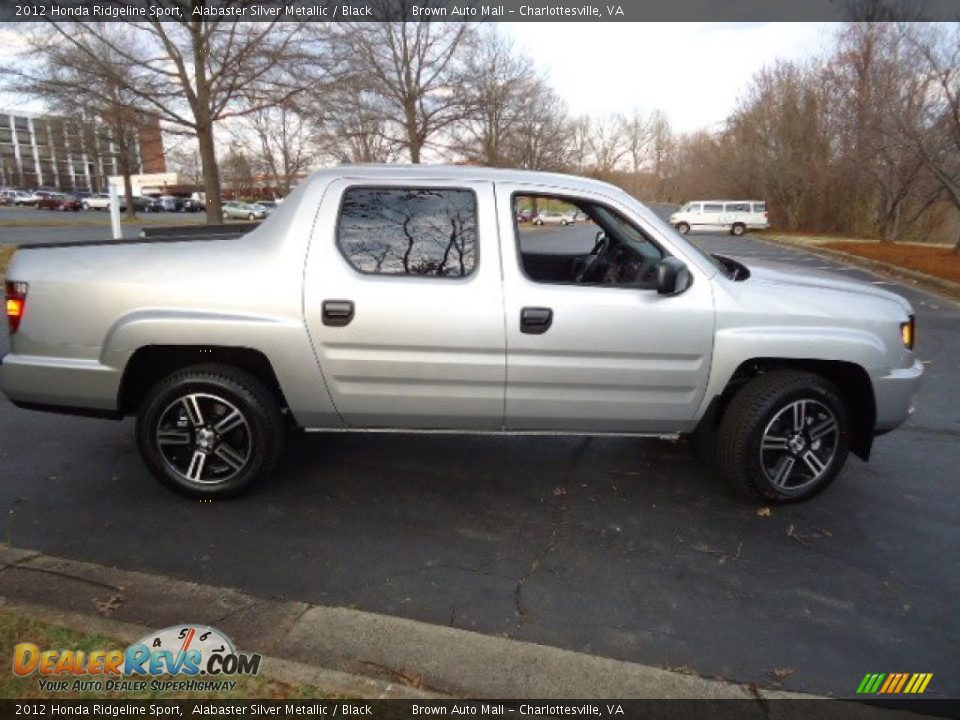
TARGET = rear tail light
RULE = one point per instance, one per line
(16, 293)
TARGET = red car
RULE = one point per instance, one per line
(58, 201)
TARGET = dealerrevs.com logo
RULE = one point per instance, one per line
(197, 656)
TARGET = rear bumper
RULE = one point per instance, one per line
(895, 393)
(59, 382)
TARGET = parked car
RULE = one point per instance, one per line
(32, 197)
(243, 211)
(335, 317)
(97, 201)
(523, 215)
(553, 217)
(192, 205)
(733, 216)
(142, 203)
(267, 206)
(58, 201)
(7, 197)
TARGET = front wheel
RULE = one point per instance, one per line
(251, 217)
(785, 436)
(210, 431)
(738, 229)
(683, 228)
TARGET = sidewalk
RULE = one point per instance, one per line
(345, 652)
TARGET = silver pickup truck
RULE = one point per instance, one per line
(416, 299)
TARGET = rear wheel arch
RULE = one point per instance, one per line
(851, 380)
(150, 364)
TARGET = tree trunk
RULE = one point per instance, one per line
(956, 248)
(128, 194)
(211, 174)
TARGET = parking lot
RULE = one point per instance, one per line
(624, 548)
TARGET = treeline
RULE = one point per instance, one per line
(864, 140)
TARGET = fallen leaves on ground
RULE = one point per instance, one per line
(937, 260)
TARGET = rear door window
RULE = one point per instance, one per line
(759, 207)
(409, 231)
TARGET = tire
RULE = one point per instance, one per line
(683, 228)
(563, 223)
(202, 458)
(86, 206)
(758, 433)
(251, 217)
(738, 229)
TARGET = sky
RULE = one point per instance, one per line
(694, 72)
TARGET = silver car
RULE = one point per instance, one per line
(243, 211)
(553, 217)
(408, 299)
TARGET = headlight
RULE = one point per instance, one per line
(908, 332)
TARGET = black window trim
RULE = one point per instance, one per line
(397, 276)
(569, 199)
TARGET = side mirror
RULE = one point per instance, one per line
(672, 276)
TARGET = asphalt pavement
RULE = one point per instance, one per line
(625, 548)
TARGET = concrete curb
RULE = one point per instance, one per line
(927, 282)
(342, 651)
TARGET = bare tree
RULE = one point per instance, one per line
(184, 159)
(407, 74)
(930, 120)
(542, 135)
(237, 170)
(191, 73)
(283, 143)
(638, 137)
(495, 86)
(608, 143)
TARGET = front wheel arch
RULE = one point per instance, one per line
(852, 380)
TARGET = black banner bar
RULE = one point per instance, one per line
(473, 10)
(761, 709)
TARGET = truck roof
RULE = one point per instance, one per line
(464, 172)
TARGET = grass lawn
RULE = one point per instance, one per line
(935, 260)
(16, 628)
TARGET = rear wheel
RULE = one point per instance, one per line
(251, 217)
(209, 431)
(785, 436)
(738, 229)
(683, 228)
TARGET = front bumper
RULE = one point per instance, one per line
(895, 394)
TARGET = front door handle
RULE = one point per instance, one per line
(535, 320)
(337, 313)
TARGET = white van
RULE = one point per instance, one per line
(733, 216)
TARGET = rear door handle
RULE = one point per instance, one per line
(337, 313)
(535, 320)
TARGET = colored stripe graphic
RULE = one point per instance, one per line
(900, 684)
(894, 683)
(891, 678)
